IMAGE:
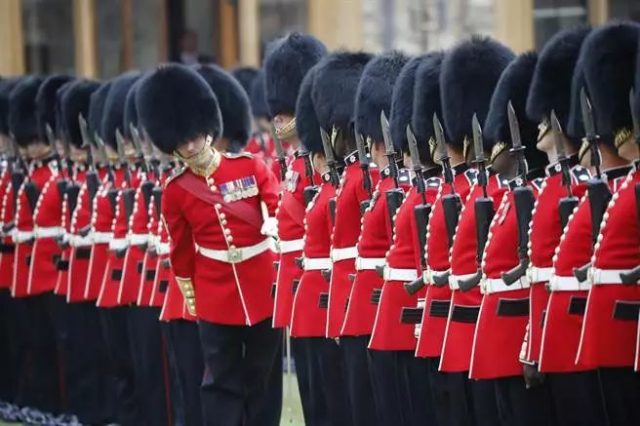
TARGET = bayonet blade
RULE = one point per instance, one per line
(386, 133)
(51, 138)
(84, 131)
(136, 140)
(413, 149)
(477, 139)
(634, 116)
(277, 142)
(556, 127)
(120, 146)
(514, 127)
(587, 115)
(326, 144)
(362, 152)
(441, 148)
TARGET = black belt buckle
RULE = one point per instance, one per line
(439, 308)
(577, 305)
(465, 314)
(411, 315)
(323, 301)
(626, 311)
(375, 296)
(513, 307)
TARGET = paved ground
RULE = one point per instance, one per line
(291, 408)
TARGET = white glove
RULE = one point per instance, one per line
(270, 227)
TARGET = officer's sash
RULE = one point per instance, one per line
(240, 209)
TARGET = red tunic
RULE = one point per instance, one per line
(41, 173)
(344, 239)
(103, 216)
(544, 236)
(290, 214)
(565, 308)
(438, 299)
(390, 332)
(461, 324)
(151, 292)
(609, 332)
(7, 224)
(309, 314)
(374, 242)
(504, 311)
(197, 218)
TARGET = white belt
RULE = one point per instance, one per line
(497, 285)
(235, 254)
(22, 236)
(80, 241)
(138, 239)
(397, 274)
(558, 283)
(453, 280)
(599, 276)
(429, 273)
(317, 263)
(338, 254)
(368, 263)
(289, 246)
(48, 232)
(101, 237)
(162, 248)
(539, 275)
(118, 244)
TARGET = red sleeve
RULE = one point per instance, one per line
(268, 186)
(182, 250)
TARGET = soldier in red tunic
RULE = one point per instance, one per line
(505, 304)
(551, 92)
(394, 328)
(10, 171)
(220, 248)
(605, 72)
(285, 66)
(40, 386)
(467, 85)
(83, 348)
(458, 178)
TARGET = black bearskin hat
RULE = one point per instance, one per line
(75, 101)
(6, 86)
(23, 123)
(307, 124)
(46, 103)
(257, 96)
(402, 104)
(113, 114)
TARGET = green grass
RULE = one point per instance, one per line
(291, 408)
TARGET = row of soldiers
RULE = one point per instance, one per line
(455, 233)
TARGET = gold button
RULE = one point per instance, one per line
(218, 205)
(229, 239)
(223, 216)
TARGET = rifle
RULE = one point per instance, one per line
(282, 158)
(633, 276)
(421, 212)
(396, 195)
(92, 178)
(18, 176)
(366, 177)
(451, 202)
(597, 188)
(483, 207)
(333, 169)
(568, 203)
(312, 189)
(523, 198)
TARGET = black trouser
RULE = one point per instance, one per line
(485, 406)
(185, 356)
(519, 406)
(9, 354)
(150, 366)
(417, 382)
(329, 397)
(83, 357)
(577, 398)
(304, 369)
(114, 327)
(40, 373)
(238, 365)
(441, 387)
(391, 401)
(621, 394)
(358, 379)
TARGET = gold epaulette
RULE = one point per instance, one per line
(235, 155)
(177, 172)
